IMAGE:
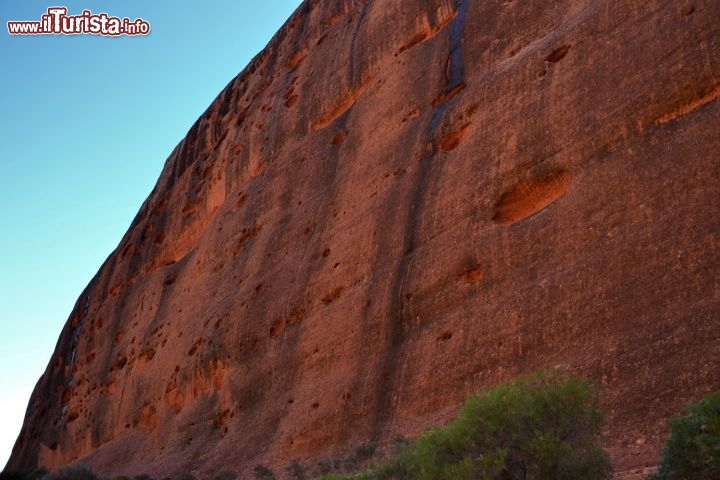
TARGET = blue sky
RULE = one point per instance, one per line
(86, 124)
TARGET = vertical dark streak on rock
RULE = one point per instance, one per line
(352, 81)
(399, 319)
(457, 29)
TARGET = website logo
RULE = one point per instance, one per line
(57, 22)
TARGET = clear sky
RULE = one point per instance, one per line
(86, 124)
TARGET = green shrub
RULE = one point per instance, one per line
(538, 427)
(75, 472)
(692, 450)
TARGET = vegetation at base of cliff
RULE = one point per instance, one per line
(356, 459)
(296, 471)
(263, 473)
(225, 475)
(542, 426)
(32, 474)
(75, 472)
(693, 447)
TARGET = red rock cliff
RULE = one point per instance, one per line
(394, 205)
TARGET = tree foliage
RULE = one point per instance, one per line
(692, 450)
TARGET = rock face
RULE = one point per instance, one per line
(394, 205)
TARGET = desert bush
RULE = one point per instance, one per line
(75, 472)
(351, 463)
(30, 474)
(328, 465)
(296, 471)
(185, 476)
(357, 458)
(263, 473)
(226, 475)
(365, 451)
(537, 427)
(692, 450)
(399, 444)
